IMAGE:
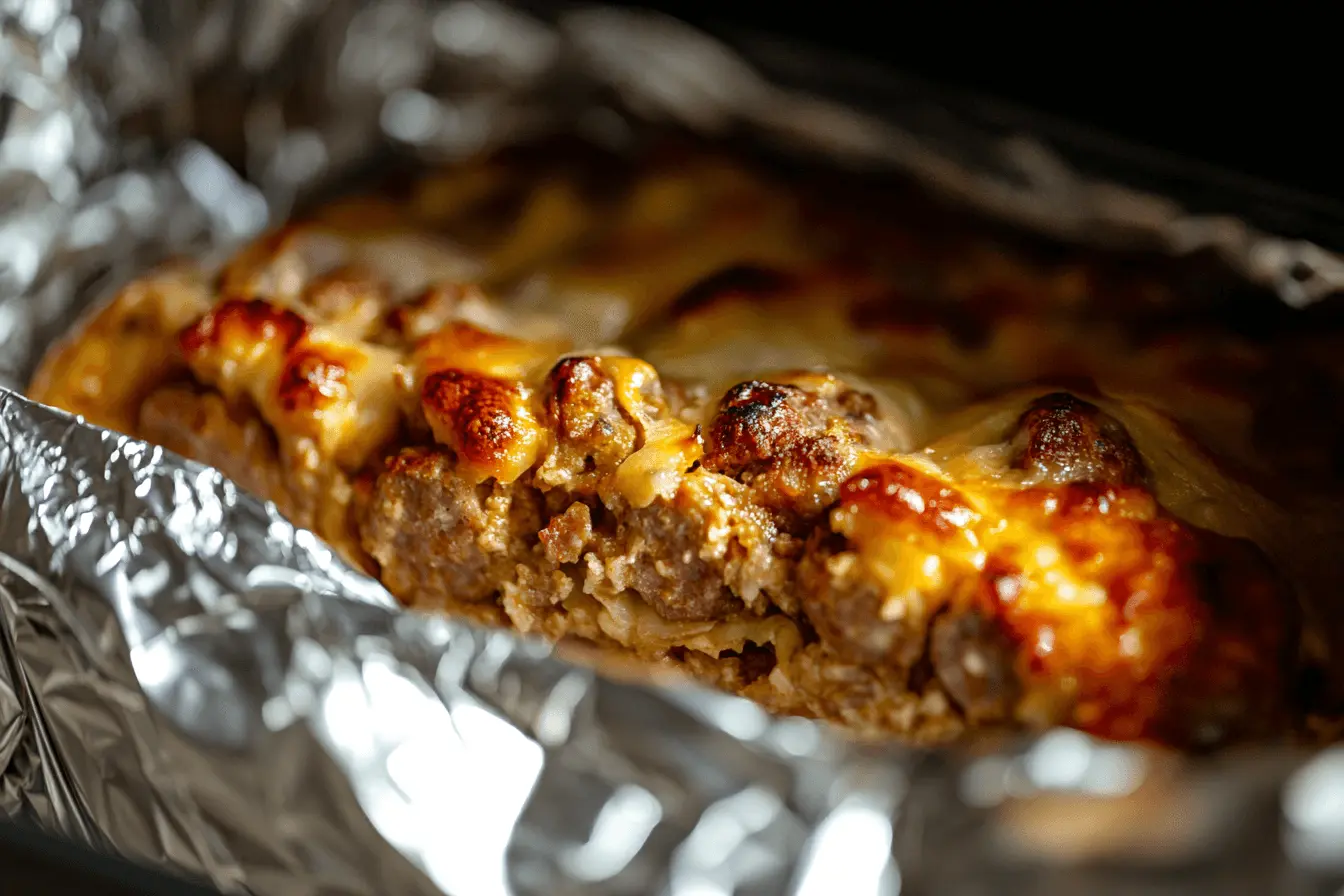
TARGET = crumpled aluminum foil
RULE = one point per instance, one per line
(188, 680)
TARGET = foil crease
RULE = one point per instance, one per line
(187, 680)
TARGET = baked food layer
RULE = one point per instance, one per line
(875, 469)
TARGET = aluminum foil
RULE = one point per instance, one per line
(187, 680)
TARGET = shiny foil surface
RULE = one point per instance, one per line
(187, 680)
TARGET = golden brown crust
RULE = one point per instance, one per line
(791, 446)
(242, 328)
(485, 420)
(862, 543)
(1063, 439)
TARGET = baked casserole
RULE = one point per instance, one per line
(833, 448)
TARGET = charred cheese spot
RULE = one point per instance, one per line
(241, 342)
(303, 380)
(244, 324)
(485, 420)
(343, 397)
(1061, 439)
(796, 439)
(314, 379)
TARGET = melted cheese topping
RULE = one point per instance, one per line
(359, 333)
(1093, 579)
(307, 382)
(656, 470)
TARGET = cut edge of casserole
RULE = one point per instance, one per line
(870, 524)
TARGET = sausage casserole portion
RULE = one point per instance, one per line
(856, 462)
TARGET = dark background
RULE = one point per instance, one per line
(33, 862)
(1256, 92)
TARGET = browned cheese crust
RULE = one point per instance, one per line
(892, 475)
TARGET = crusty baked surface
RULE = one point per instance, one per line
(869, 468)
